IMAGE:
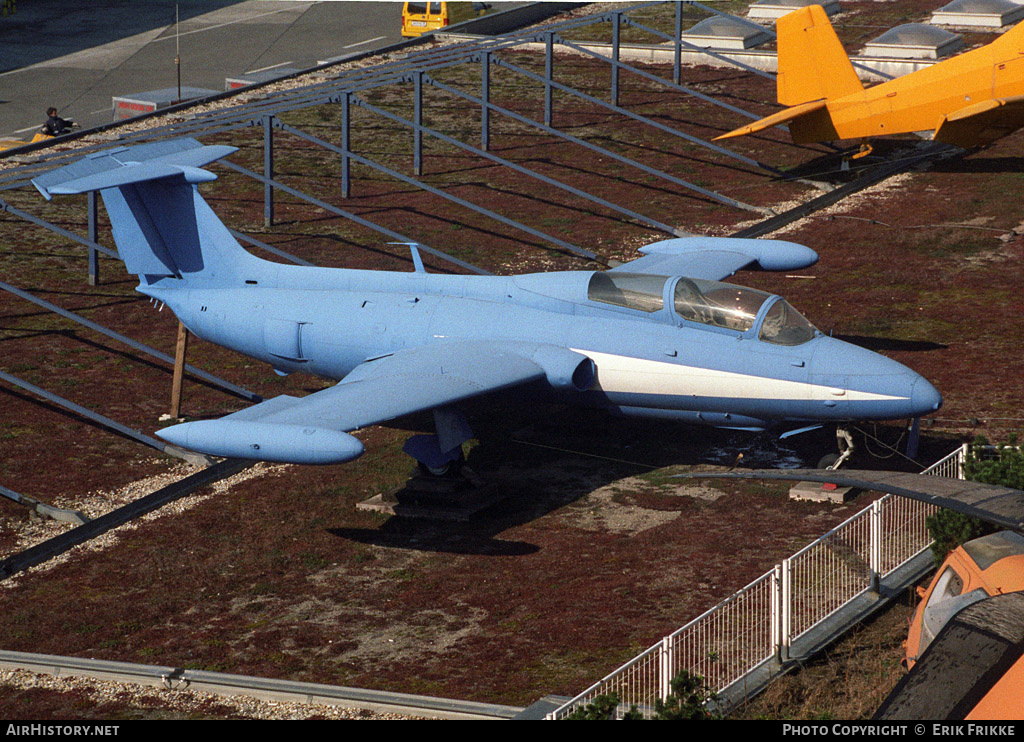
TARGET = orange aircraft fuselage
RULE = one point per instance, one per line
(968, 100)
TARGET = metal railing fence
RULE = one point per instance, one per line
(761, 621)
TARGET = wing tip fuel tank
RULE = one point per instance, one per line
(296, 444)
(769, 255)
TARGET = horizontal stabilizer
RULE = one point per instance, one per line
(981, 123)
(137, 164)
(717, 258)
(776, 119)
(162, 226)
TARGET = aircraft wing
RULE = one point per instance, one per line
(717, 258)
(1001, 506)
(981, 123)
(314, 429)
(785, 116)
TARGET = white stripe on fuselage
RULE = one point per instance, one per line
(624, 374)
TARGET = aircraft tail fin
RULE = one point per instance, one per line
(812, 62)
(162, 227)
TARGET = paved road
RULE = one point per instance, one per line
(77, 56)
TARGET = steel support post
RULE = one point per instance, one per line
(913, 442)
(346, 164)
(485, 96)
(94, 257)
(417, 121)
(502, 161)
(677, 44)
(348, 215)
(548, 76)
(616, 29)
(268, 169)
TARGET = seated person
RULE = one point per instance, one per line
(55, 125)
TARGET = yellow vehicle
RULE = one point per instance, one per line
(987, 566)
(7, 143)
(965, 647)
(420, 18)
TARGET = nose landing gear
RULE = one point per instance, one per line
(846, 447)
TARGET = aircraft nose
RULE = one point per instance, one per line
(924, 398)
(909, 394)
(875, 387)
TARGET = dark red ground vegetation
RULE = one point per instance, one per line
(590, 558)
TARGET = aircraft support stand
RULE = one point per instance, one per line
(818, 492)
(179, 369)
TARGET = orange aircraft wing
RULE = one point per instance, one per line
(981, 123)
(782, 117)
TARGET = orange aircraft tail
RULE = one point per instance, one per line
(969, 100)
(813, 69)
(812, 63)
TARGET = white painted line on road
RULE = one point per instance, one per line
(368, 41)
(172, 37)
(264, 69)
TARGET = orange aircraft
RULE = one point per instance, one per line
(969, 100)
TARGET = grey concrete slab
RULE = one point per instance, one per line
(77, 57)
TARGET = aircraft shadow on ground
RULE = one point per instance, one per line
(829, 167)
(532, 467)
(977, 162)
(890, 344)
(556, 459)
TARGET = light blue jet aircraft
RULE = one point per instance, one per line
(659, 336)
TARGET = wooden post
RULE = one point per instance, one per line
(179, 369)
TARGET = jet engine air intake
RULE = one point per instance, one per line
(566, 369)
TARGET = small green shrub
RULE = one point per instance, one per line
(1003, 465)
(688, 700)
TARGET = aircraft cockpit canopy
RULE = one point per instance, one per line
(705, 302)
(783, 325)
(631, 290)
(718, 304)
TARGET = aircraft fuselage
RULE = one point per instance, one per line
(328, 321)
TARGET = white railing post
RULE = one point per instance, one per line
(665, 669)
(786, 609)
(875, 546)
(775, 612)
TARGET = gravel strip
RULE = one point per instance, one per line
(189, 703)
